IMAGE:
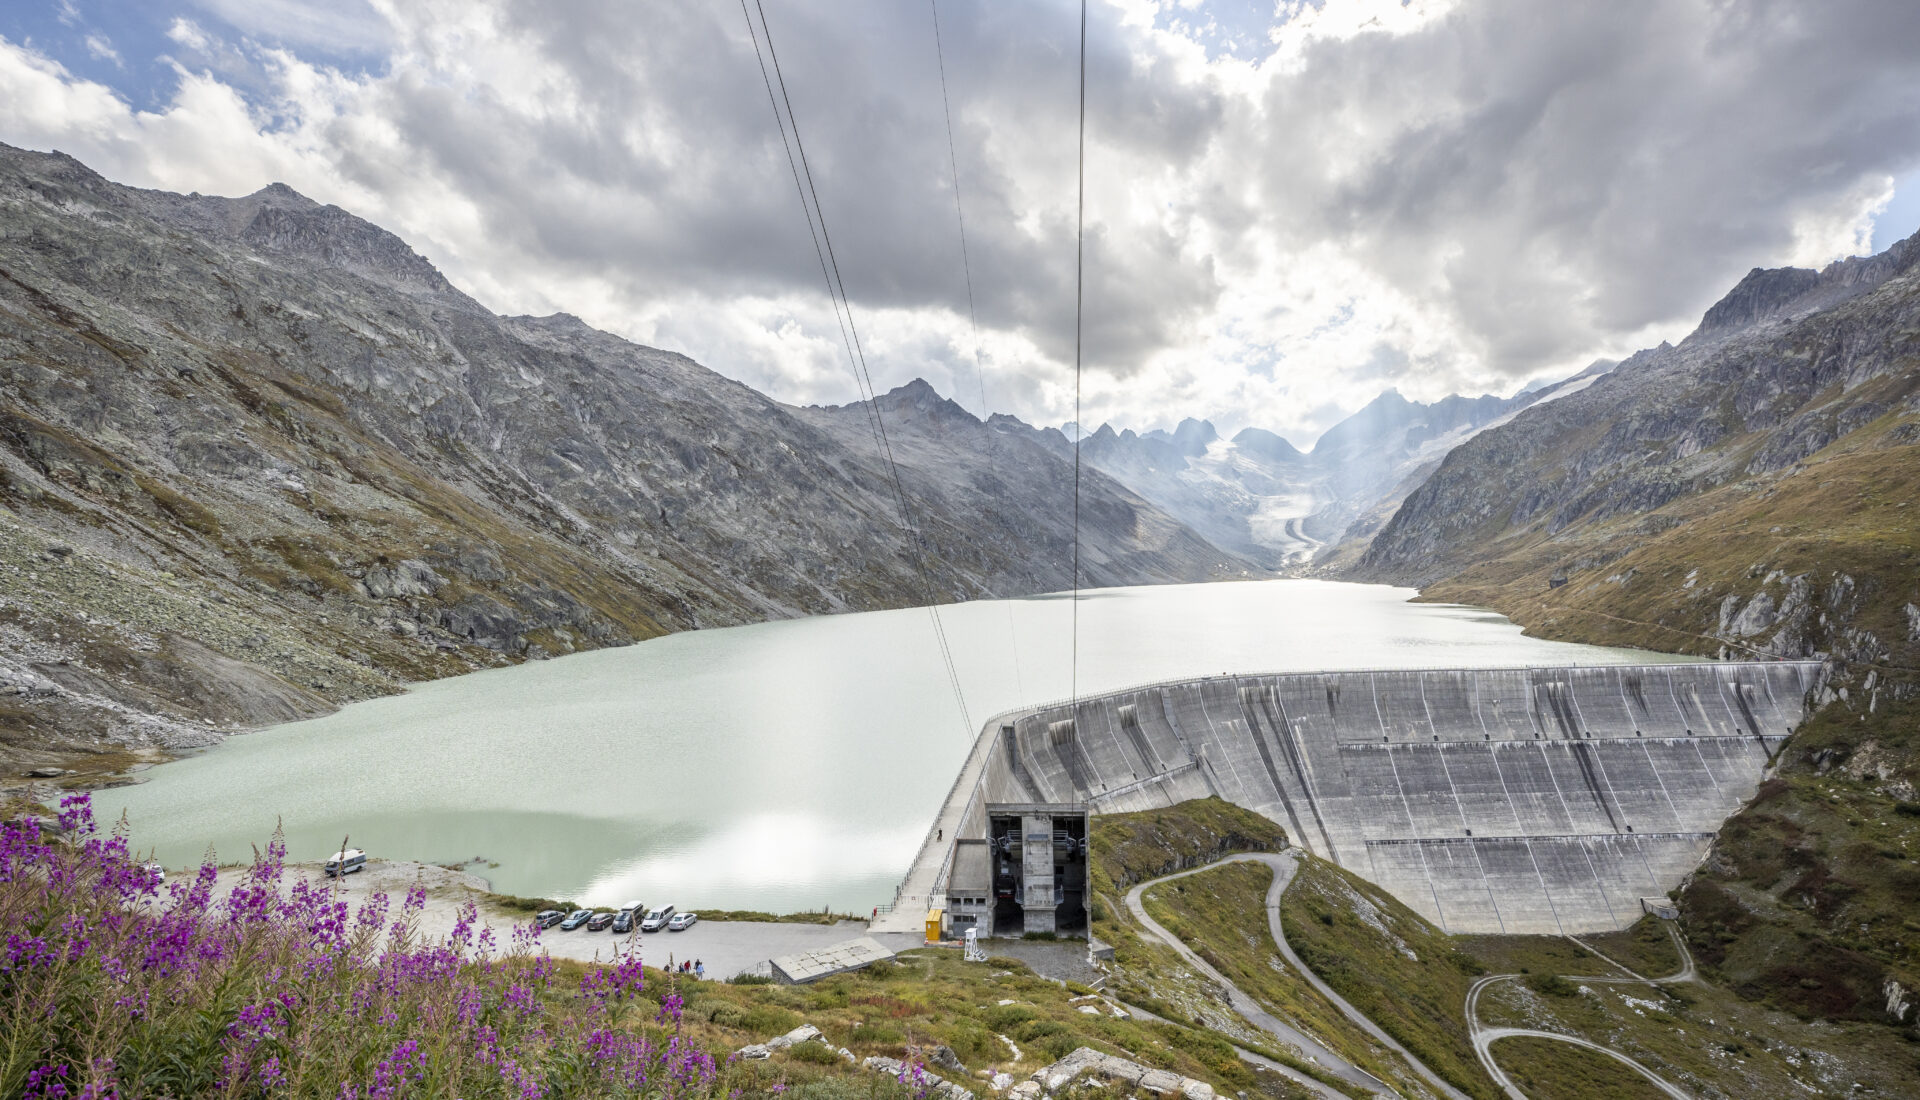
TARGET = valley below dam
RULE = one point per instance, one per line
(782, 766)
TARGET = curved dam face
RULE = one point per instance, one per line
(1545, 800)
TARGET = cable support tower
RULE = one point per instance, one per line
(850, 333)
(973, 316)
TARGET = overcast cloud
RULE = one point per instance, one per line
(1289, 207)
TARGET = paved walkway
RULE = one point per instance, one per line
(1308, 1046)
(1318, 1088)
(1484, 1037)
(915, 896)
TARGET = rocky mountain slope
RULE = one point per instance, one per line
(1012, 491)
(257, 457)
(1749, 489)
(1752, 490)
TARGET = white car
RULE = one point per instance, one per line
(657, 919)
(682, 921)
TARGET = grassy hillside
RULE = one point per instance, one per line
(1848, 521)
(1548, 1070)
(1221, 915)
(1810, 900)
(1390, 963)
(1131, 848)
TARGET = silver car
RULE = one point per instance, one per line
(657, 919)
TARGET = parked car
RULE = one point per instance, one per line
(547, 918)
(155, 872)
(629, 917)
(575, 919)
(682, 921)
(601, 922)
(346, 862)
(657, 919)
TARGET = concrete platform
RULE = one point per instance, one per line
(1539, 800)
(837, 959)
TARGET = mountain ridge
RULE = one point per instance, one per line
(259, 458)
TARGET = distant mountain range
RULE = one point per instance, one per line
(1263, 498)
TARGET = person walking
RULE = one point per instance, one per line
(700, 970)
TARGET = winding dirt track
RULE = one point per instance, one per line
(1283, 865)
(1484, 1037)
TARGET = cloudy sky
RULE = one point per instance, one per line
(1290, 206)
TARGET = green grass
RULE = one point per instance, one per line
(930, 997)
(1646, 948)
(1546, 1070)
(1221, 914)
(1131, 848)
(1810, 901)
(1851, 509)
(1708, 1040)
(1391, 964)
(1531, 955)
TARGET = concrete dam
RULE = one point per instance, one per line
(1538, 800)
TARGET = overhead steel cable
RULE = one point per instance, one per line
(973, 316)
(807, 210)
(863, 379)
(1079, 268)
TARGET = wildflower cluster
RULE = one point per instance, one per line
(111, 986)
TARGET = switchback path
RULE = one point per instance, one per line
(1484, 1037)
(1283, 865)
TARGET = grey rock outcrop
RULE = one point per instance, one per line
(1127, 1075)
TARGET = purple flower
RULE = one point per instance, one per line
(47, 1081)
(670, 1008)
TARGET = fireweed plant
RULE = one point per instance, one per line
(113, 987)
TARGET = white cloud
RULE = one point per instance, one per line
(1435, 196)
(100, 48)
(352, 26)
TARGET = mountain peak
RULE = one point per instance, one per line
(1773, 293)
(277, 192)
(1764, 293)
(1267, 445)
(1192, 437)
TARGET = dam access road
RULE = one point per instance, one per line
(1523, 800)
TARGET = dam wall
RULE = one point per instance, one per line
(1538, 800)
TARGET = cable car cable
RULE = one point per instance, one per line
(973, 316)
(857, 353)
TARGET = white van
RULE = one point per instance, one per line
(346, 863)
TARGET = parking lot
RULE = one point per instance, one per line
(726, 947)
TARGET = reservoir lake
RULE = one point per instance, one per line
(781, 766)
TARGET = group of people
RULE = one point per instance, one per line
(696, 968)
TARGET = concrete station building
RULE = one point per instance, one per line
(1028, 873)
